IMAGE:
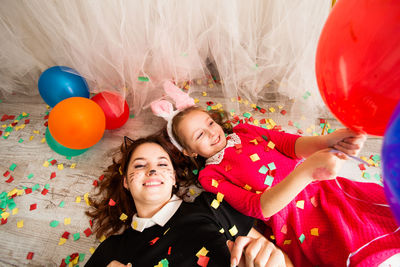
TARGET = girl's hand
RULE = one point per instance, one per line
(323, 164)
(346, 141)
(115, 263)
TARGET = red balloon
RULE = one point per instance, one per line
(358, 63)
(115, 108)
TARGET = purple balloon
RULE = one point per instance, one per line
(391, 162)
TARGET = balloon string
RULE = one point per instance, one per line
(368, 202)
(367, 244)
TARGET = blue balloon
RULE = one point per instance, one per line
(391, 162)
(60, 149)
(58, 83)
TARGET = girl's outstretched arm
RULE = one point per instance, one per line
(341, 139)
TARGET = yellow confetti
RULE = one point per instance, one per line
(222, 230)
(31, 138)
(15, 211)
(280, 107)
(254, 141)
(91, 250)
(232, 100)
(46, 164)
(43, 140)
(24, 114)
(258, 192)
(215, 204)
(78, 199)
(210, 85)
(5, 215)
(102, 238)
(253, 105)
(300, 204)
(314, 232)
(166, 230)
(256, 122)
(271, 122)
(60, 166)
(67, 221)
(62, 241)
(287, 242)
(73, 165)
(247, 187)
(20, 224)
(123, 217)
(12, 192)
(134, 225)
(254, 157)
(214, 183)
(271, 109)
(246, 102)
(202, 252)
(233, 231)
(204, 93)
(196, 100)
(272, 237)
(271, 145)
(4, 126)
(192, 192)
(75, 261)
(35, 131)
(220, 197)
(86, 198)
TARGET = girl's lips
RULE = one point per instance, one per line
(152, 183)
(217, 141)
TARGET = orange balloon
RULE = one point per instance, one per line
(77, 123)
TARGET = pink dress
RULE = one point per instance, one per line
(323, 225)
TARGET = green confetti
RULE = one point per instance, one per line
(81, 257)
(366, 175)
(268, 180)
(47, 186)
(322, 125)
(376, 158)
(11, 204)
(20, 140)
(164, 263)
(264, 137)
(47, 113)
(35, 187)
(377, 176)
(30, 176)
(263, 169)
(77, 236)
(297, 125)
(143, 79)
(132, 116)
(54, 223)
(195, 172)
(272, 166)
(68, 259)
(208, 108)
(1, 101)
(68, 158)
(62, 204)
(301, 238)
(13, 166)
(247, 115)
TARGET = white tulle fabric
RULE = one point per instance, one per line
(112, 43)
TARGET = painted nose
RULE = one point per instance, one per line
(151, 172)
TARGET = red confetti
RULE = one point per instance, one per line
(52, 175)
(290, 123)
(45, 124)
(266, 148)
(88, 232)
(272, 172)
(74, 255)
(1, 132)
(251, 119)
(53, 162)
(238, 146)
(28, 190)
(283, 112)
(203, 261)
(259, 139)
(65, 235)
(299, 131)
(14, 123)
(263, 121)
(46, 117)
(6, 173)
(45, 191)
(91, 223)
(111, 202)
(322, 121)
(209, 103)
(169, 251)
(4, 118)
(238, 151)
(101, 177)
(33, 206)
(3, 221)
(10, 179)
(362, 167)
(27, 121)
(152, 242)
(29, 256)
(63, 264)
(263, 111)
(228, 168)
(95, 183)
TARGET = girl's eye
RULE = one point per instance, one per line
(138, 166)
(211, 123)
(163, 164)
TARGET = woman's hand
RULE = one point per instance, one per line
(256, 252)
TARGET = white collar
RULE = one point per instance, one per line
(233, 139)
(161, 217)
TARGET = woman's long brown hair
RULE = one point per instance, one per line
(105, 217)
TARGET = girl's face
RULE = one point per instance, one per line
(150, 175)
(201, 134)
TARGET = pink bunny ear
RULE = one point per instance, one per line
(182, 100)
(162, 108)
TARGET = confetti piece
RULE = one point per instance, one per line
(361, 167)
(9, 180)
(5, 215)
(202, 252)
(30, 176)
(46, 164)
(62, 241)
(233, 231)
(13, 166)
(143, 79)
(203, 261)
(254, 157)
(88, 232)
(195, 172)
(62, 204)
(15, 211)
(29, 256)
(76, 236)
(301, 238)
(134, 224)
(60, 166)
(204, 93)
(123, 217)
(33, 206)
(28, 190)
(78, 199)
(222, 230)
(67, 221)
(268, 180)
(314, 232)
(65, 235)
(228, 168)
(271, 166)
(6, 173)
(73, 165)
(20, 224)
(152, 242)
(91, 250)
(215, 204)
(214, 183)
(263, 170)
(287, 242)
(86, 198)
(300, 204)
(220, 197)
(102, 238)
(111, 202)
(284, 229)
(247, 187)
(54, 223)
(314, 201)
(45, 191)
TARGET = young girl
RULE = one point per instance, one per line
(316, 217)
(159, 227)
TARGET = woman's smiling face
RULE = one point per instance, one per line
(150, 175)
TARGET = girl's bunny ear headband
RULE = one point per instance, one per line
(164, 108)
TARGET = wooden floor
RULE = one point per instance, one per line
(30, 230)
